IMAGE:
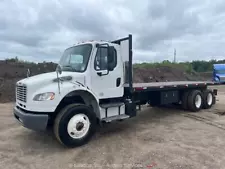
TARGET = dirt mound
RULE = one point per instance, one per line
(11, 72)
(165, 73)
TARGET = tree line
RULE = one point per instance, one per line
(193, 66)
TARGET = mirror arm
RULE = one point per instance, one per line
(58, 71)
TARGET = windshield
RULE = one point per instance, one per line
(220, 71)
(76, 58)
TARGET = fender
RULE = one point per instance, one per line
(79, 94)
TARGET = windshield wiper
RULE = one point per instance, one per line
(69, 66)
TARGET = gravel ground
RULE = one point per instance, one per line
(156, 138)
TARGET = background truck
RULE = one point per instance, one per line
(219, 73)
(92, 85)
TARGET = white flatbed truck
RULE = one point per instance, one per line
(93, 84)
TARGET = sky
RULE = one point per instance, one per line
(41, 30)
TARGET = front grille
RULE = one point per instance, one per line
(21, 93)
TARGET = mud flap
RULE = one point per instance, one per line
(215, 92)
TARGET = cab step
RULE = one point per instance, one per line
(108, 105)
(118, 117)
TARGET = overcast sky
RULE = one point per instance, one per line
(40, 30)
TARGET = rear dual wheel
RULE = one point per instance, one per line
(195, 100)
(208, 99)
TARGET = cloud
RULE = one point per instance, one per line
(41, 30)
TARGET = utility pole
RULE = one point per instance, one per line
(174, 56)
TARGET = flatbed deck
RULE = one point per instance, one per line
(173, 84)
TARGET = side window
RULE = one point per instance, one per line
(101, 62)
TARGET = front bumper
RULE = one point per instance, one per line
(31, 121)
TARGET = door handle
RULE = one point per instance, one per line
(103, 72)
(118, 81)
(99, 73)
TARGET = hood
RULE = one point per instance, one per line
(47, 78)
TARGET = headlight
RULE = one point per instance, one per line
(44, 96)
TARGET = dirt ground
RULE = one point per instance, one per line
(156, 138)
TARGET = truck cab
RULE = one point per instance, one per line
(89, 77)
(219, 73)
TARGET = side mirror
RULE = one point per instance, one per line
(59, 69)
(111, 51)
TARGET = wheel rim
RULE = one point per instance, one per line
(78, 126)
(198, 101)
(209, 99)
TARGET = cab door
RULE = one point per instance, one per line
(107, 83)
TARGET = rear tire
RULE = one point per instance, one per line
(75, 125)
(208, 99)
(195, 101)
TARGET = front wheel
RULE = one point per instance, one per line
(75, 125)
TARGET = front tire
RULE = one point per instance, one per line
(75, 125)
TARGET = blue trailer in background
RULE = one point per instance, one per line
(219, 73)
